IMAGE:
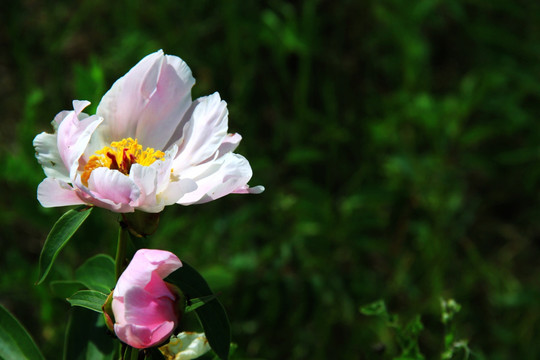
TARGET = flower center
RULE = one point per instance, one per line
(120, 156)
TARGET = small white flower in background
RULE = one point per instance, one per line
(149, 145)
(185, 346)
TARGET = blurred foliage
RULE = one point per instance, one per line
(398, 142)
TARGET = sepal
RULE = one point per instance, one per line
(108, 314)
(141, 224)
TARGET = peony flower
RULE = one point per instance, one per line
(148, 145)
(144, 307)
(185, 346)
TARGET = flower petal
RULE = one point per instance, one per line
(186, 346)
(145, 177)
(176, 190)
(142, 337)
(49, 158)
(74, 133)
(229, 144)
(143, 305)
(144, 262)
(113, 188)
(148, 309)
(53, 192)
(204, 133)
(149, 101)
(217, 178)
(158, 188)
(246, 189)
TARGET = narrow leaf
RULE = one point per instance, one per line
(60, 234)
(212, 315)
(15, 342)
(89, 299)
(97, 273)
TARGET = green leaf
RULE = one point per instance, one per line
(87, 337)
(64, 288)
(97, 273)
(15, 342)
(194, 304)
(60, 234)
(89, 299)
(212, 315)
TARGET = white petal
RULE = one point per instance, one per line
(80, 105)
(217, 178)
(204, 133)
(74, 135)
(186, 346)
(246, 189)
(145, 177)
(52, 193)
(59, 118)
(149, 101)
(175, 190)
(229, 144)
(114, 189)
(49, 158)
(164, 168)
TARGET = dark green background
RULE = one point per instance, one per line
(398, 141)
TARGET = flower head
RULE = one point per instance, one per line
(148, 145)
(144, 307)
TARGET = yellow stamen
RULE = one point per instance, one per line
(120, 156)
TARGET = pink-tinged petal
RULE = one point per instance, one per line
(143, 305)
(147, 309)
(217, 178)
(169, 102)
(133, 335)
(246, 189)
(74, 133)
(80, 105)
(204, 133)
(229, 144)
(112, 185)
(49, 158)
(157, 288)
(142, 337)
(53, 192)
(118, 308)
(121, 105)
(149, 101)
(144, 262)
(60, 117)
(164, 262)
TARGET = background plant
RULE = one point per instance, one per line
(398, 145)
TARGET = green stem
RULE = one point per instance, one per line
(121, 250)
(134, 354)
(127, 353)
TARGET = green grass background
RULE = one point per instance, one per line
(398, 142)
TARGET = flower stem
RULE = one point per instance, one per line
(121, 250)
(134, 354)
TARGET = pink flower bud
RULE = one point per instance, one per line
(144, 307)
